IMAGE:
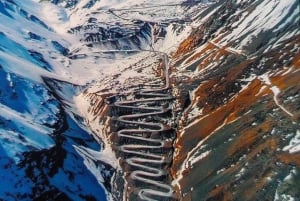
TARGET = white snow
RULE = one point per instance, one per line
(195, 112)
(194, 159)
(276, 91)
(24, 136)
(240, 173)
(279, 194)
(266, 15)
(173, 39)
(294, 145)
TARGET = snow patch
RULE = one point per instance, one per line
(294, 145)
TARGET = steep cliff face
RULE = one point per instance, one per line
(237, 78)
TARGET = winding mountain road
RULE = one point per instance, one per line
(144, 136)
(143, 143)
(147, 146)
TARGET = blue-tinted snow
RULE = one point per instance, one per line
(25, 107)
(3, 10)
(82, 180)
(26, 96)
(19, 133)
(90, 3)
(13, 48)
(14, 185)
(35, 36)
(64, 51)
(78, 135)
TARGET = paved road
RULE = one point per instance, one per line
(146, 147)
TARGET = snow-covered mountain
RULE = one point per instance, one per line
(48, 54)
(44, 146)
(149, 100)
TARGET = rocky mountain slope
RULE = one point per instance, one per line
(237, 78)
(139, 100)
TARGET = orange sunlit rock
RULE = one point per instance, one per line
(208, 124)
(290, 158)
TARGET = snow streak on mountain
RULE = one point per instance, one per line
(149, 100)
